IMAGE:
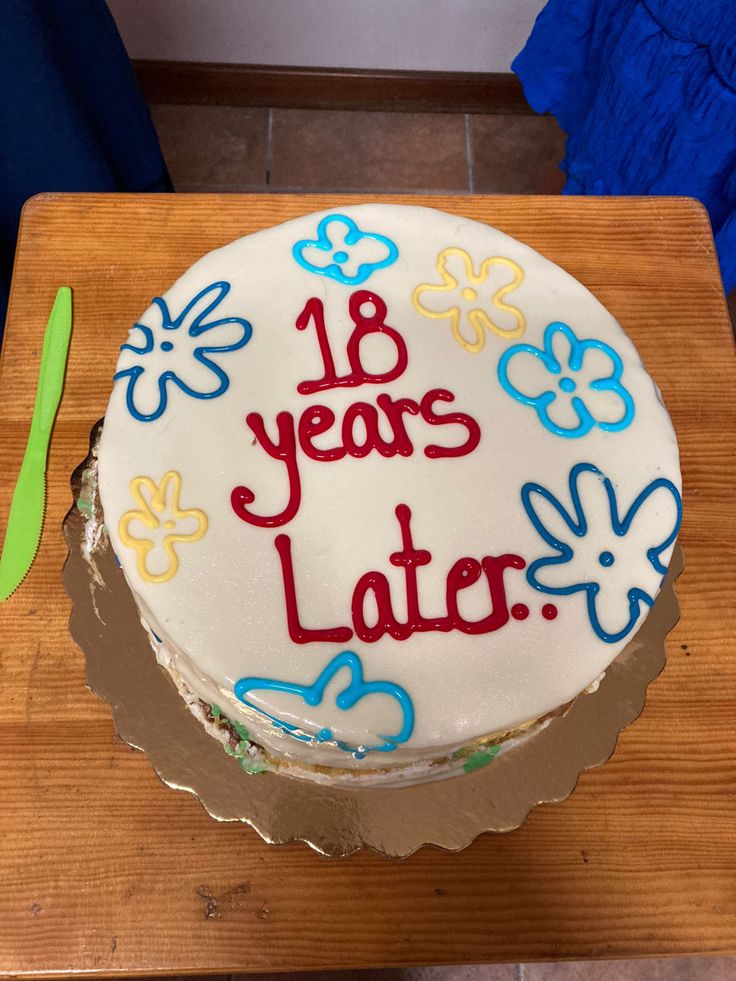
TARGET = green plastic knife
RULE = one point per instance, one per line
(25, 521)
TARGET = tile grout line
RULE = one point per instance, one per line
(469, 152)
(269, 147)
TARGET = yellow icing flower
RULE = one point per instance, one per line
(158, 523)
(459, 298)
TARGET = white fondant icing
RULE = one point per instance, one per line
(222, 616)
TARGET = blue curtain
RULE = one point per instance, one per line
(646, 91)
(72, 117)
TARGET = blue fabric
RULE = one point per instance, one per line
(72, 117)
(646, 91)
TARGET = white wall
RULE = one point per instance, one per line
(444, 35)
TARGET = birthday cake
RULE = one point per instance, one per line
(390, 490)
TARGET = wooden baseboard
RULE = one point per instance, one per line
(208, 83)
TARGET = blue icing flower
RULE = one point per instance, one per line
(343, 252)
(595, 546)
(573, 385)
(179, 351)
(355, 691)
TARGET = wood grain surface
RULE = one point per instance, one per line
(103, 869)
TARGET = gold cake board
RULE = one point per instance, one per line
(151, 716)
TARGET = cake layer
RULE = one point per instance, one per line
(385, 481)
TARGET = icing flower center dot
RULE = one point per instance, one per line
(456, 297)
(574, 537)
(344, 252)
(159, 511)
(192, 342)
(568, 361)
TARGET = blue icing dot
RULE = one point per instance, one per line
(167, 346)
(340, 257)
(324, 735)
(567, 385)
(606, 558)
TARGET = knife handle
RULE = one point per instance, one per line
(53, 362)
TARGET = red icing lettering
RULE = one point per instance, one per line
(374, 323)
(373, 441)
(365, 324)
(314, 422)
(410, 559)
(298, 633)
(359, 435)
(377, 583)
(360, 428)
(460, 418)
(284, 449)
(494, 568)
(465, 572)
(314, 310)
(394, 410)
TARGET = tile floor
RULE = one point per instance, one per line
(659, 969)
(681, 969)
(224, 148)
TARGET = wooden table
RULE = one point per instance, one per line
(104, 869)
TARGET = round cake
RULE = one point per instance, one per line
(390, 490)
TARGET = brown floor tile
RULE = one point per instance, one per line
(658, 969)
(368, 151)
(219, 145)
(183, 187)
(516, 154)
